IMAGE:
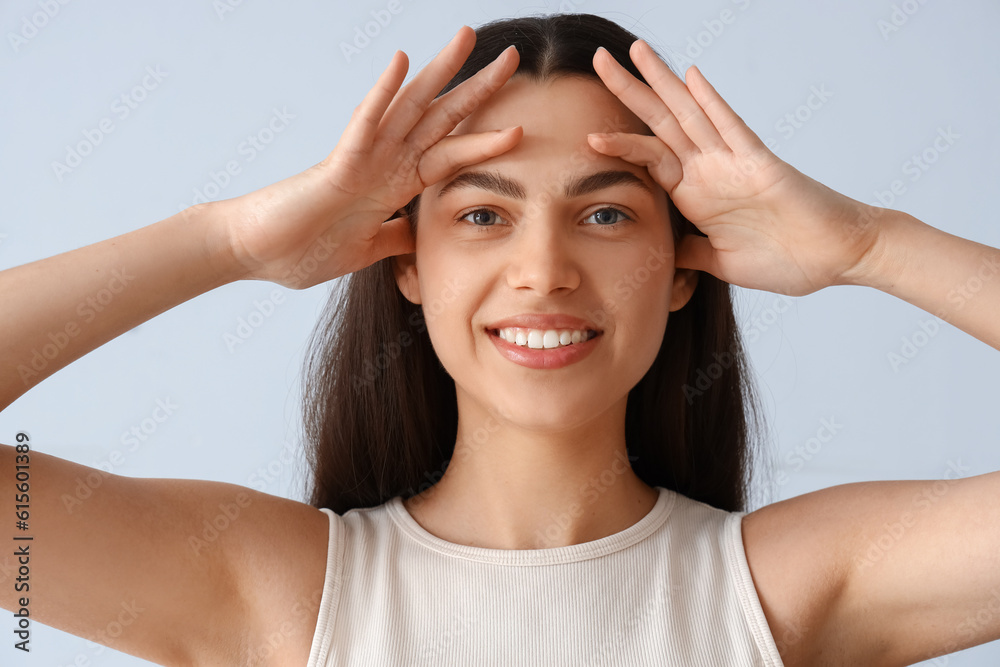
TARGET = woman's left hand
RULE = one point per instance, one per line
(769, 226)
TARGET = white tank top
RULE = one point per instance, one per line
(672, 589)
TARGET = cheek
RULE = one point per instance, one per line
(640, 291)
(446, 285)
(445, 277)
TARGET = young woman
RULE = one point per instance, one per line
(540, 256)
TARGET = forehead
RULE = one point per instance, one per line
(564, 109)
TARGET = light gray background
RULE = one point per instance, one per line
(823, 357)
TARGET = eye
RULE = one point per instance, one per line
(485, 218)
(481, 217)
(606, 217)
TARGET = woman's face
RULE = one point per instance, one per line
(520, 243)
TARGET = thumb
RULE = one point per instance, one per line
(696, 252)
(643, 150)
(394, 238)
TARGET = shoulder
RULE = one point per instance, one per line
(798, 559)
(279, 562)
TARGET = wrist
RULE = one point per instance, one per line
(211, 222)
(880, 265)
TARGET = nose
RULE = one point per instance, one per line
(543, 258)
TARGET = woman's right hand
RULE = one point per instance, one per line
(333, 218)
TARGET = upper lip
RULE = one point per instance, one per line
(544, 322)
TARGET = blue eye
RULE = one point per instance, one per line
(606, 217)
(605, 222)
(480, 212)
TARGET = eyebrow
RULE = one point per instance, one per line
(507, 187)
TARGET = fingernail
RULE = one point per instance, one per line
(502, 54)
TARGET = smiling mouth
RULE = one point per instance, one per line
(547, 339)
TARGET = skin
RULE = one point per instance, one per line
(550, 433)
(827, 601)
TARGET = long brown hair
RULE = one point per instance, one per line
(380, 415)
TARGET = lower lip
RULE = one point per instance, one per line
(547, 359)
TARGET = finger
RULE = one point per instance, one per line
(642, 150)
(361, 129)
(736, 133)
(447, 111)
(394, 237)
(404, 111)
(644, 103)
(677, 97)
(696, 252)
(454, 152)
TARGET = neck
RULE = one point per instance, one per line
(507, 487)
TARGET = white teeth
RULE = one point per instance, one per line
(542, 339)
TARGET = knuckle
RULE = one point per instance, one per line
(660, 118)
(453, 116)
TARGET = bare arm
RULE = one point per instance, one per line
(56, 310)
(179, 572)
(770, 227)
(955, 279)
(326, 222)
(198, 572)
(893, 572)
